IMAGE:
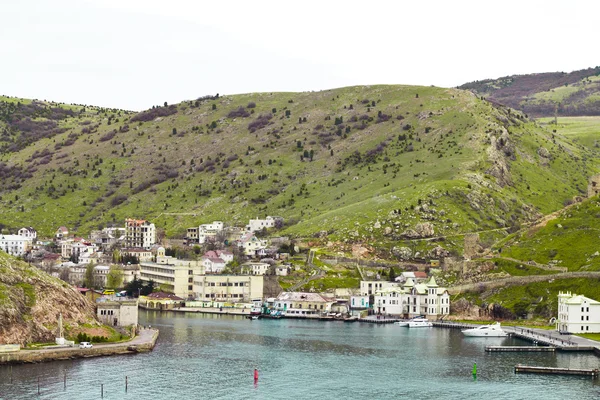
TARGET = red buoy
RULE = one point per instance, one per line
(255, 374)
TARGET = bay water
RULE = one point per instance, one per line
(203, 356)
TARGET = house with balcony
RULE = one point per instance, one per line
(413, 299)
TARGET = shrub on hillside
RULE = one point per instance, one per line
(239, 112)
(260, 122)
(153, 113)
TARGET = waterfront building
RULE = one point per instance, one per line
(359, 303)
(413, 299)
(172, 274)
(161, 301)
(303, 304)
(234, 288)
(117, 313)
(139, 233)
(577, 314)
(15, 245)
(108, 237)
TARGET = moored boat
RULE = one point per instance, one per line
(419, 323)
(492, 330)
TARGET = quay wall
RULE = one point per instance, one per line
(37, 356)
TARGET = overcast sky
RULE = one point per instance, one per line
(133, 54)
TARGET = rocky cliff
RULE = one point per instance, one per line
(31, 301)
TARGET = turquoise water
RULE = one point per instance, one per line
(213, 357)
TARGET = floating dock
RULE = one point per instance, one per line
(500, 349)
(556, 371)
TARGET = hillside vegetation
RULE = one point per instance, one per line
(568, 94)
(31, 301)
(379, 165)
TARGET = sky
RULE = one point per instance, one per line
(134, 54)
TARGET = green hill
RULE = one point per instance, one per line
(566, 94)
(371, 164)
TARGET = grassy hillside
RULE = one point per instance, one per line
(572, 240)
(376, 164)
(568, 94)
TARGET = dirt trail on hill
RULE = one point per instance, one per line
(519, 280)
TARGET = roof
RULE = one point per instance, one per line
(163, 296)
(579, 299)
(304, 296)
(432, 283)
(62, 229)
(420, 274)
(216, 260)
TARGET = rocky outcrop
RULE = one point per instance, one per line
(31, 301)
(421, 230)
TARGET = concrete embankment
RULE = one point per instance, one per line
(142, 343)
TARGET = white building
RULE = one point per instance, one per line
(256, 268)
(300, 304)
(117, 313)
(250, 244)
(411, 300)
(577, 314)
(139, 233)
(28, 232)
(204, 232)
(15, 245)
(213, 265)
(258, 224)
(370, 287)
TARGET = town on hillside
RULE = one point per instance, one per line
(218, 268)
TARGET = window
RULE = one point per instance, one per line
(587, 309)
(587, 318)
(581, 309)
(587, 328)
(190, 287)
(582, 317)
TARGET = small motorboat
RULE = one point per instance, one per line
(420, 323)
(493, 330)
(253, 317)
(401, 323)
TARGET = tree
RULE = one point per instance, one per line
(134, 287)
(115, 276)
(148, 288)
(88, 280)
(392, 274)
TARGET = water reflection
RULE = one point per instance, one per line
(213, 356)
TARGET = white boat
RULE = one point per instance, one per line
(401, 323)
(493, 330)
(419, 323)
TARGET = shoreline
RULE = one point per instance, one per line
(142, 343)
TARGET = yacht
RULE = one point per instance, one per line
(419, 323)
(493, 330)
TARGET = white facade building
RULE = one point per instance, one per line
(15, 245)
(258, 224)
(411, 300)
(118, 313)
(28, 232)
(370, 287)
(577, 314)
(140, 233)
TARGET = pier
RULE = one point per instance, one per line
(500, 349)
(372, 319)
(556, 371)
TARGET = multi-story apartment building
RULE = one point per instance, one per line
(173, 275)
(234, 288)
(15, 245)
(139, 233)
